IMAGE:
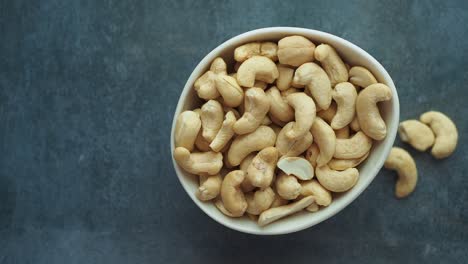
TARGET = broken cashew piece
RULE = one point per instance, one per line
(331, 63)
(246, 51)
(231, 194)
(299, 167)
(262, 168)
(446, 134)
(210, 187)
(257, 68)
(325, 138)
(259, 201)
(295, 50)
(285, 77)
(225, 133)
(361, 77)
(256, 106)
(313, 188)
(401, 161)
(187, 127)
(287, 186)
(279, 107)
(304, 112)
(417, 134)
(354, 147)
(345, 96)
(211, 116)
(317, 83)
(276, 213)
(337, 181)
(205, 85)
(199, 162)
(292, 147)
(243, 145)
(343, 164)
(367, 111)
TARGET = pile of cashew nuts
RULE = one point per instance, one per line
(434, 129)
(289, 111)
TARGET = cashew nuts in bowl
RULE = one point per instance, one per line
(274, 115)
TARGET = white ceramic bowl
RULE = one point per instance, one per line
(351, 54)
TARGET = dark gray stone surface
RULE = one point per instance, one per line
(87, 93)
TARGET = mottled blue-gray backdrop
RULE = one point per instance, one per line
(87, 93)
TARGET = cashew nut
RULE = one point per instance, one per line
(352, 148)
(206, 84)
(219, 204)
(246, 51)
(367, 111)
(304, 112)
(243, 145)
(289, 91)
(276, 213)
(313, 207)
(312, 153)
(230, 91)
(266, 121)
(261, 169)
(257, 68)
(313, 188)
(244, 165)
(277, 121)
(287, 186)
(355, 124)
(328, 114)
(210, 187)
(285, 77)
(417, 134)
(446, 134)
(256, 106)
(325, 139)
(186, 130)
(201, 143)
(361, 77)
(278, 201)
(259, 201)
(316, 81)
(225, 133)
(342, 132)
(401, 161)
(297, 166)
(337, 181)
(231, 193)
(295, 50)
(292, 147)
(345, 96)
(331, 63)
(198, 162)
(212, 119)
(343, 164)
(279, 107)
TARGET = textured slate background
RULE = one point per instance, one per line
(87, 93)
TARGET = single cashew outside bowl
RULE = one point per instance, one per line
(257, 105)
(368, 113)
(446, 134)
(325, 139)
(292, 147)
(352, 148)
(295, 50)
(186, 130)
(337, 181)
(262, 168)
(345, 96)
(331, 63)
(257, 68)
(401, 161)
(243, 145)
(199, 162)
(316, 81)
(232, 195)
(417, 134)
(304, 112)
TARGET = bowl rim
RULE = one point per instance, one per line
(392, 127)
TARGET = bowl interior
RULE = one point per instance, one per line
(352, 55)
